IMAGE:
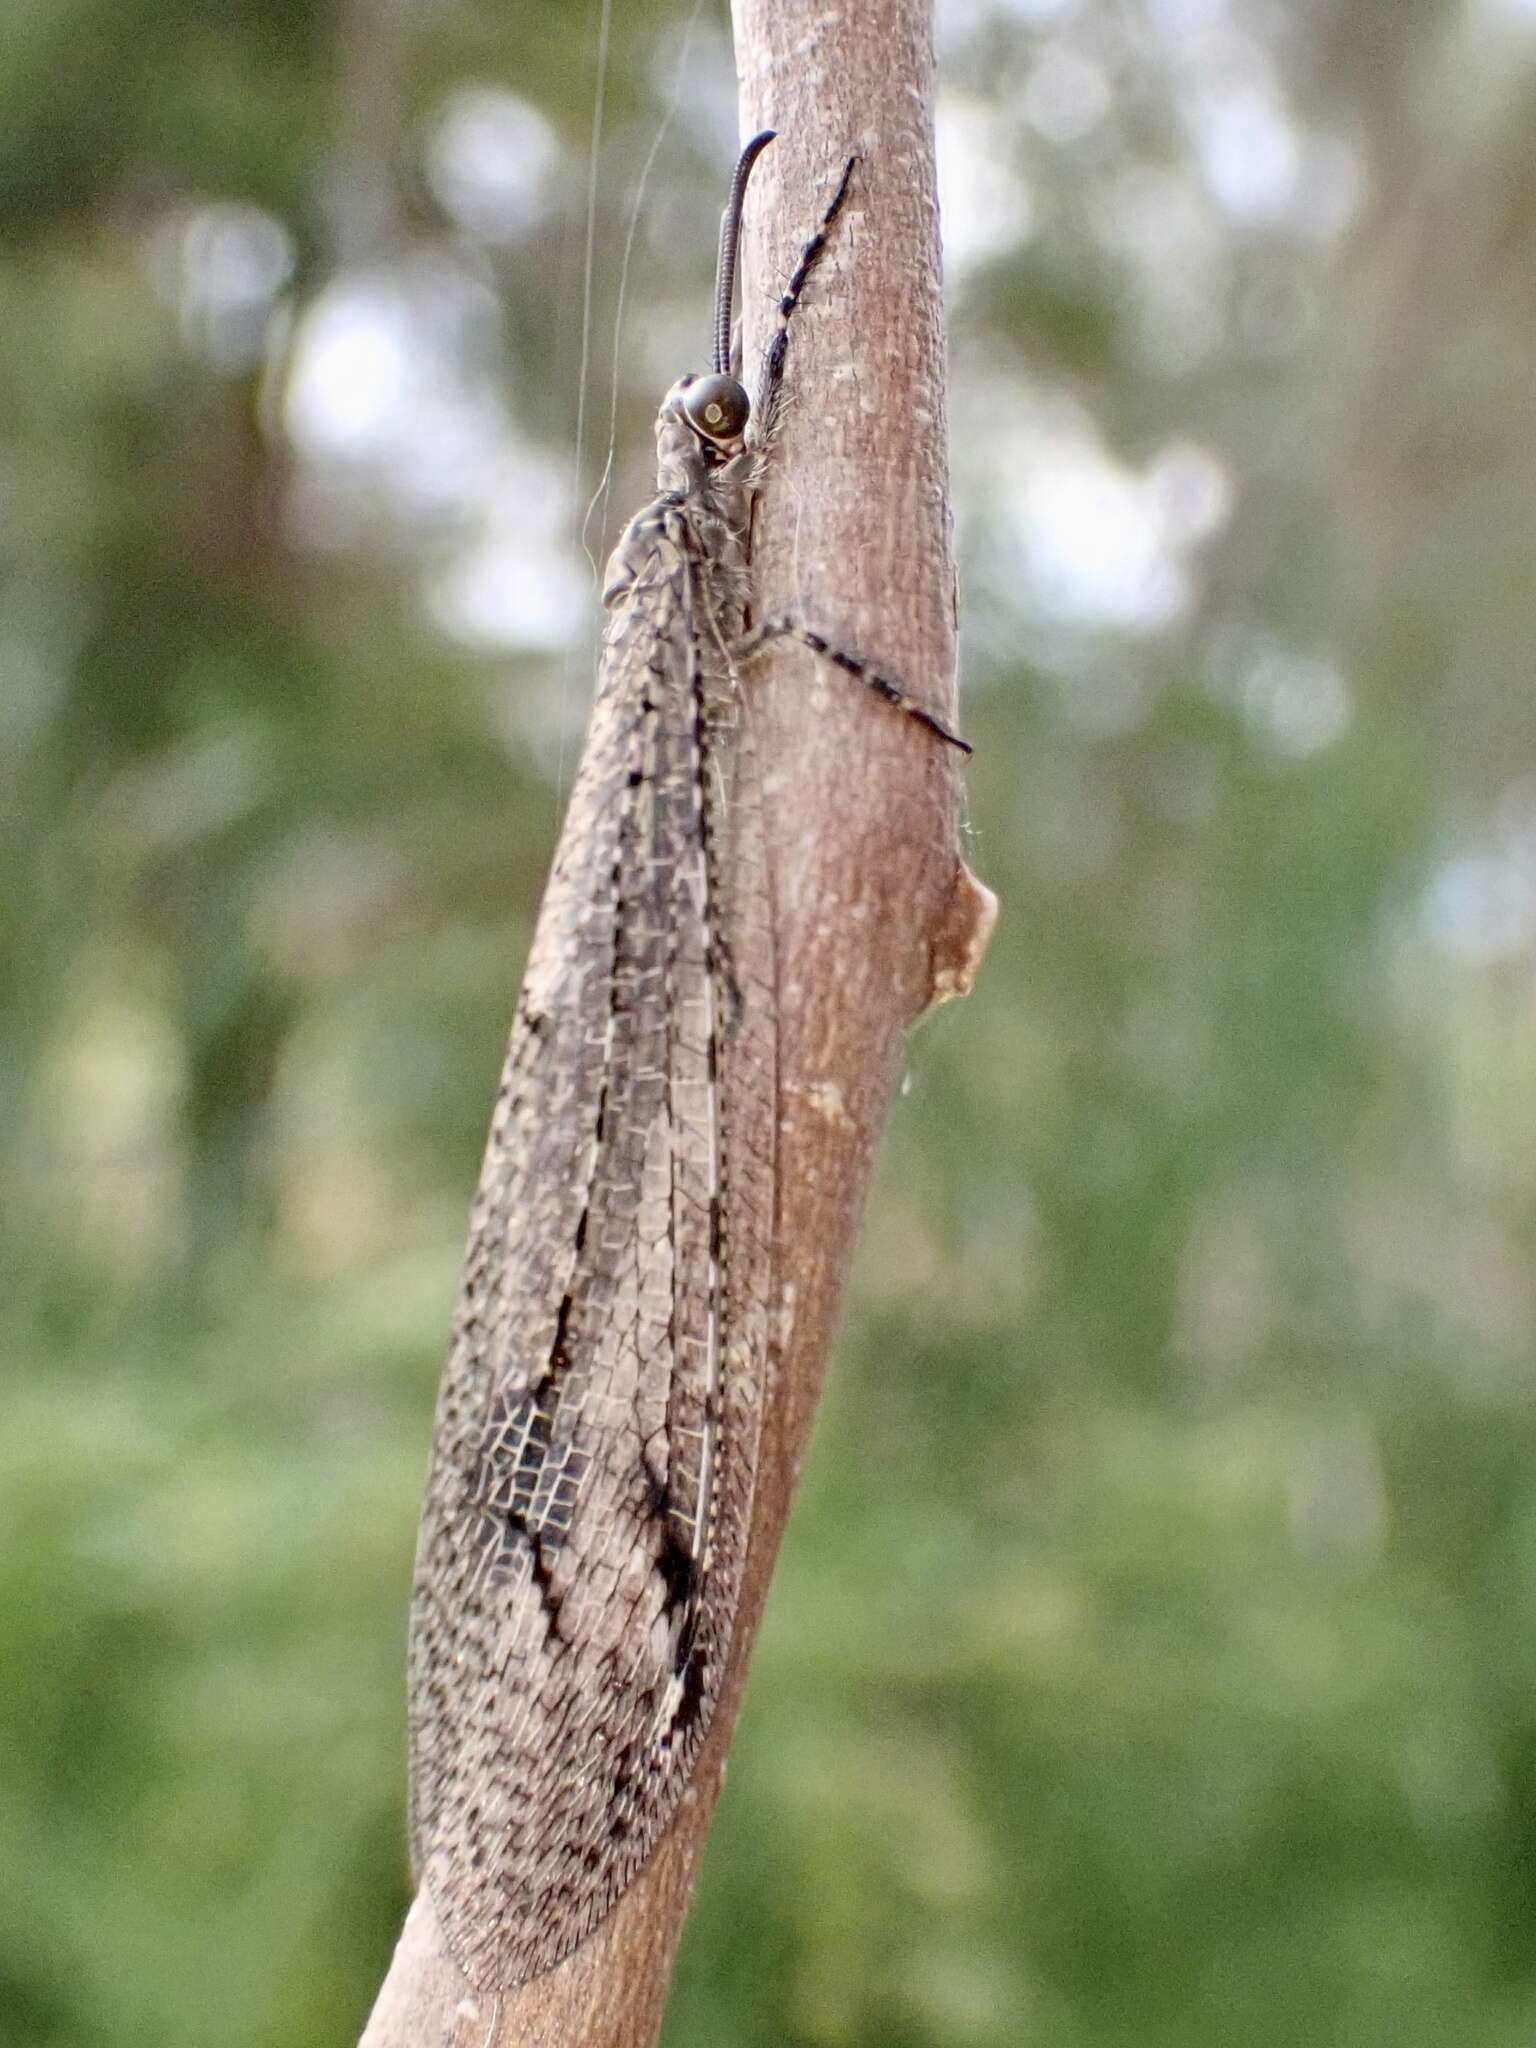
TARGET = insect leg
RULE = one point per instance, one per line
(773, 362)
(781, 627)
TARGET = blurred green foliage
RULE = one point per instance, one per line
(1150, 1661)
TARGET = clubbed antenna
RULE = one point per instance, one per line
(730, 228)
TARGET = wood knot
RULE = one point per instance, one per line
(964, 933)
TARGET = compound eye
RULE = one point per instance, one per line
(718, 407)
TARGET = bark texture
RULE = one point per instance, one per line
(874, 914)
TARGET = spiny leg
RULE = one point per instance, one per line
(781, 627)
(773, 362)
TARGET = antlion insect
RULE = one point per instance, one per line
(590, 1494)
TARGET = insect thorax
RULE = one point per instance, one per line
(697, 525)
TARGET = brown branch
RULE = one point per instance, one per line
(875, 915)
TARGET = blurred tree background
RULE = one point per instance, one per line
(1151, 1659)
